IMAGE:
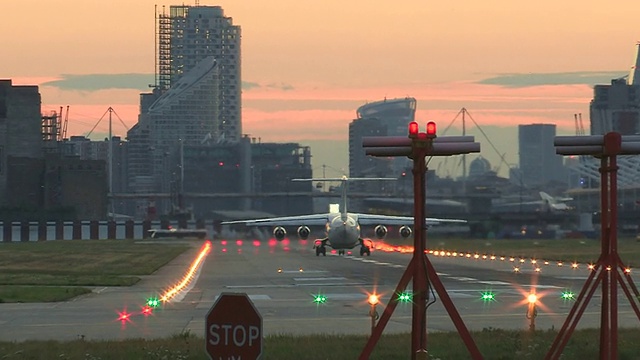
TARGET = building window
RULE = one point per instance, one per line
(3, 107)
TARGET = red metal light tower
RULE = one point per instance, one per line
(609, 268)
(417, 146)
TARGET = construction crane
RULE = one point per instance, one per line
(66, 122)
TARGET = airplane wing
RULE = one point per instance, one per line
(297, 220)
(370, 219)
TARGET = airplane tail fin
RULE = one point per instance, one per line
(547, 197)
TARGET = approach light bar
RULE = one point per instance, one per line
(597, 145)
(401, 146)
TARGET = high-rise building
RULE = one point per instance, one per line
(20, 132)
(188, 35)
(539, 163)
(184, 114)
(380, 118)
(616, 107)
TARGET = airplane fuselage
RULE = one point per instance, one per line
(343, 231)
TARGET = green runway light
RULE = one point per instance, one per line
(567, 295)
(488, 296)
(405, 297)
(153, 302)
(319, 299)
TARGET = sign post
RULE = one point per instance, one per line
(233, 329)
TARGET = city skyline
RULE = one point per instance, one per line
(496, 60)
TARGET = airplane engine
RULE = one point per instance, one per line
(381, 231)
(279, 233)
(405, 231)
(303, 232)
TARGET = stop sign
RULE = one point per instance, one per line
(233, 328)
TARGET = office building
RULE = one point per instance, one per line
(614, 107)
(20, 138)
(389, 117)
(539, 163)
(187, 113)
(37, 180)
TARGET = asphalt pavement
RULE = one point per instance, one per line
(282, 278)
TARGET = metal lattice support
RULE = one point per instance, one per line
(417, 147)
(609, 269)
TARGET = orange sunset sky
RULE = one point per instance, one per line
(308, 65)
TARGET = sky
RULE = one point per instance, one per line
(308, 65)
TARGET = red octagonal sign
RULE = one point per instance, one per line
(233, 329)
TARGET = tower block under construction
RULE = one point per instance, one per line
(189, 34)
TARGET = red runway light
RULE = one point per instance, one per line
(431, 128)
(413, 129)
(124, 316)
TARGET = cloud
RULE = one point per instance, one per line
(566, 78)
(133, 81)
(95, 82)
(280, 86)
(270, 86)
(250, 85)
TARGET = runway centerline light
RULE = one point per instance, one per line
(487, 296)
(405, 296)
(153, 302)
(319, 299)
(567, 295)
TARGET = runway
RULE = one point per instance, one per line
(281, 279)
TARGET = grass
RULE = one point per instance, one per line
(20, 293)
(492, 344)
(59, 270)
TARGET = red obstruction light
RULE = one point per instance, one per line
(431, 129)
(413, 129)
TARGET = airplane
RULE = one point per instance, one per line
(547, 203)
(342, 228)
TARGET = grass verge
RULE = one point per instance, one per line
(45, 271)
(492, 343)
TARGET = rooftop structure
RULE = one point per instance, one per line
(389, 117)
(615, 107)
